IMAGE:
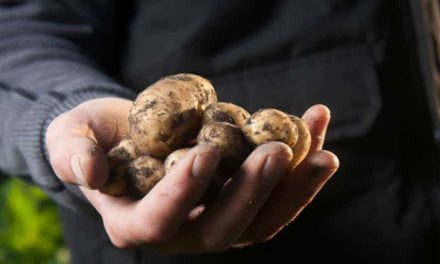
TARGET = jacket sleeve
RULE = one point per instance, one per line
(52, 57)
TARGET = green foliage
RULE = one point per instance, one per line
(29, 225)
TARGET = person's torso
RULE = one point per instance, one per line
(291, 55)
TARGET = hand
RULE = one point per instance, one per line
(251, 207)
(77, 140)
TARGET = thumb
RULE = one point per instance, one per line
(74, 152)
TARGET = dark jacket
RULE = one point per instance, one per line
(371, 61)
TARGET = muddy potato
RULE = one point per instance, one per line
(302, 146)
(270, 125)
(169, 113)
(143, 173)
(229, 139)
(214, 187)
(274, 125)
(225, 112)
(119, 157)
(173, 157)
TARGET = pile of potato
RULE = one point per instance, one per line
(178, 112)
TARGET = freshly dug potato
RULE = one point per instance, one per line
(169, 113)
(143, 173)
(218, 179)
(225, 112)
(174, 157)
(229, 139)
(274, 125)
(302, 146)
(270, 125)
(119, 158)
(180, 111)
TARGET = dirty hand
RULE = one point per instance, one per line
(252, 207)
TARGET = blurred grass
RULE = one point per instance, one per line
(30, 229)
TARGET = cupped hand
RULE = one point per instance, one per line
(253, 205)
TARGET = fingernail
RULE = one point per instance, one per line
(205, 164)
(329, 113)
(75, 165)
(275, 166)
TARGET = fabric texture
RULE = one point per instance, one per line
(49, 53)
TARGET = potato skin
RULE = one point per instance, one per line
(175, 110)
(169, 113)
(229, 139)
(119, 158)
(274, 125)
(173, 157)
(270, 125)
(225, 112)
(143, 173)
(302, 146)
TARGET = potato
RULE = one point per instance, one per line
(169, 112)
(182, 110)
(274, 125)
(229, 139)
(225, 112)
(119, 158)
(143, 174)
(302, 146)
(174, 157)
(218, 178)
(270, 125)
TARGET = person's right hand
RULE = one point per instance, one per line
(254, 205)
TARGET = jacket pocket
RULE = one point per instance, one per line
(345, 80)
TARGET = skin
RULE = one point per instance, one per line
(250, 208)
(229, 140)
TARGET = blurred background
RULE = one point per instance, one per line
(30, 230)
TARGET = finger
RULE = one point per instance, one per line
(75, 157)
(158, 215)
(162, 211)
(317, 119)
(108, 119)
(76, 141)
(263, 227)
(222, 222)
(291, 195)
(117, 213)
